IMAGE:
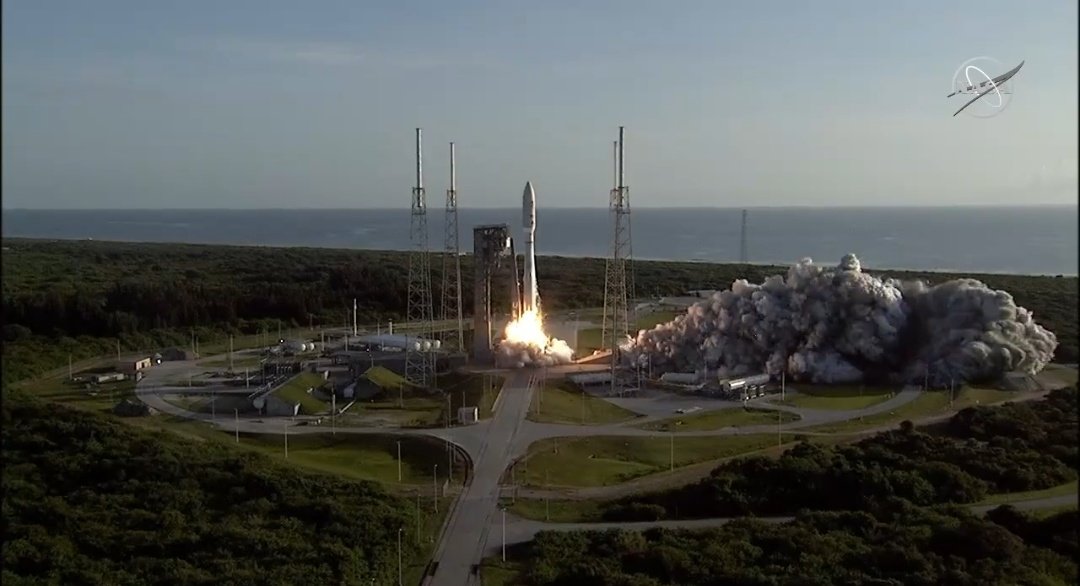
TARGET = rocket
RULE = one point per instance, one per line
(530, 297)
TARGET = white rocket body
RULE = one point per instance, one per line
(530, 297)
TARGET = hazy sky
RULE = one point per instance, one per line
(258, 104)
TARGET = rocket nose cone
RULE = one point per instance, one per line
(529, 193)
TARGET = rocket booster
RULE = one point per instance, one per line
(530, 297)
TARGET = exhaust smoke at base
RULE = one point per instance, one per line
(838, 324)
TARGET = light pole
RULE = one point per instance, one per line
(399, 462)
(504, 535)
(547, 497)
(286, 440)
(672, 449)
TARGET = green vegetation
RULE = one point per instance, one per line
(359, 456)
(926, 404)
(80, 297)
(837, 397)
(904, 545)
(88, 500)
(1015, 447)
(721, 418)
(295, 391)
(558, 510)
(607, 460)
(590, 339)
(1030, 495)
(562, 402)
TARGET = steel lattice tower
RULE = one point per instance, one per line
(744, 254)
(451, 268)
(616, 322)
(419, 364)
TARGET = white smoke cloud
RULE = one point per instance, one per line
(514, 354)
(838, 324)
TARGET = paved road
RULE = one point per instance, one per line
(461, 546)
(521, 530)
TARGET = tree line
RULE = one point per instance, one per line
(90, 290)
(89, 500)
(1014, 447)
(901, 545)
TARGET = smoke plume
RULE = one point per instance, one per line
(838, 324)
(517, 354)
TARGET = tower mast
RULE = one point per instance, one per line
(419, 363)
(451, 269)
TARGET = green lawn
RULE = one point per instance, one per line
(99, 398)
(1051, 511)
(1012, 497)
(720, 418)
(836, 397)
(925, 405)
(589, 339)
(495, 572)
(295, 391)
(359, 456)
(608, 460)
(562, 402)
(558, 510)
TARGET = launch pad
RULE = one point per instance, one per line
(492, 252)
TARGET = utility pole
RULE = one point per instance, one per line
(333, 411)
(286, 441)
(673, 449)
(504, 534)
(399, 463)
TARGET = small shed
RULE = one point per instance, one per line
(133, 364)
(468, 415)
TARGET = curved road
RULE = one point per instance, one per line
(474, 527)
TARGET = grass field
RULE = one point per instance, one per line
(591, 338)
(99, 398)
(1012, 497)
(1051, 511)
(720, 418)
(925, 405)
(608, 460)
(562, 402)
(295, 391)
(558, 510)
(495, 572)
(837, 397)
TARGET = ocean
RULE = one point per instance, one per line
(1023, 240)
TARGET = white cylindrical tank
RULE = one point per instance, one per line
(425, 345)
(436, 344)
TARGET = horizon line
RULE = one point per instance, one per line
(604, 208)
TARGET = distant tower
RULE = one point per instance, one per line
(451, 269)
(616, 325)
(744, 254)
(419, 364)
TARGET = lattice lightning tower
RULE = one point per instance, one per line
(419, 363)
(451, 268)
(616, 323)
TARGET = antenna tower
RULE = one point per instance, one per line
(419, 364)
(744, 254)
(615, 326)
(451, 269)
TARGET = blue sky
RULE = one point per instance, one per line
(270, 104)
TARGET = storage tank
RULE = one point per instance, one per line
(684, 378)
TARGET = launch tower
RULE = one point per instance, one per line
(616, 325)
(451, 268)
(419, 362)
